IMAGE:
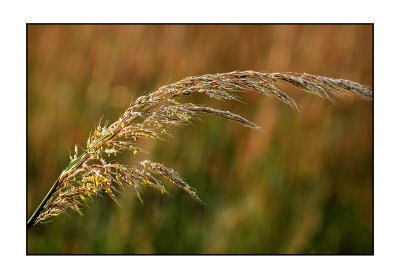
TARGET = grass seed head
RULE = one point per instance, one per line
(95, 171)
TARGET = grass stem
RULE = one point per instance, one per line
(41, 206)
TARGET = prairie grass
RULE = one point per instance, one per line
(95, 171)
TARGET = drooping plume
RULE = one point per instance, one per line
(96, 170)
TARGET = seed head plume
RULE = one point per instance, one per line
(96, 171)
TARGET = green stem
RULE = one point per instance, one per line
(36, 214)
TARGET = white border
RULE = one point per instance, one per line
(387, 231)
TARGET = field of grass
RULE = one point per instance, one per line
(301, 184)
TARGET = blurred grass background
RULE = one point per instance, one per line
(302, 185)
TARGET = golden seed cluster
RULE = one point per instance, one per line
(95, 171)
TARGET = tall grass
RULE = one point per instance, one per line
(94, 170)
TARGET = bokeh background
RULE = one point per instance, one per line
(301, 185)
